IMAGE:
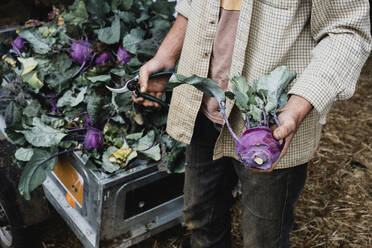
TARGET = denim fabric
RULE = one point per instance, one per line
(267, 198)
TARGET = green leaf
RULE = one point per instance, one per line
(14, 137)
(146, 141)
(97, 8)
(154, 153)
(110, 35)
(34, 38)
(206, 85)
(28, 65)
(13, 114)
(42, 135)
(77, 14)
(69, 98)
(107, 165)
(33, 80)
(24, 154)
(176, 159)
(34, 173)
(132, 39)
(126, 4)
(33, 109)
(100, 78)
(94, 107)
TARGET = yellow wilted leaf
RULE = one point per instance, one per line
(28, 64)
(9, 60)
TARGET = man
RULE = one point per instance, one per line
(325, 41)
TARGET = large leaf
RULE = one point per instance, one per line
(32, 109)
(94, 107)
(33, 80)
(146, 141)
(131, 40)
(28, 65)
(13, 114)
(42, 135)
(154, 152)
(98, 8)
(36, 41)
(206, 85)
(33, 175)
(110, 35)
(78, 13)
(106, 164)
(71, 99)
(100, 78)
(24, 154)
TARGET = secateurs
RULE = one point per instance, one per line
(132, 85)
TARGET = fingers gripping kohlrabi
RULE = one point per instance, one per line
(256, 147)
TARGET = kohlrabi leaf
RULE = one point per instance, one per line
(33, 175)
(71, 99)
(131, 40)
(206, 85)
(110, 35)
(36, 41)
(106, 164)
(154, 152)
(24, 154)
(42, 135)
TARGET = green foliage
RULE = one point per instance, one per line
(48, 103)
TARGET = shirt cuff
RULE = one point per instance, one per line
(322, 98)
(184, 8)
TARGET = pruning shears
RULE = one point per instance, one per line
(132, 85)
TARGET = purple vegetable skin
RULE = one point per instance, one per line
(256, 147)
(104, 58)
(123, 56)
(81, 51)
(18, 44)
(93, 139)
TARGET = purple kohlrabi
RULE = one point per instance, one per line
(93, 139)
(18, 44)
(81, 51)
(256, 147)
(123, 55)
(104, 58)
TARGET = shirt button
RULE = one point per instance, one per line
(205, 55)
(212, 21)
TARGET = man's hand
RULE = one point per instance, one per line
(290, 117)
(154, 87)
(164, 60)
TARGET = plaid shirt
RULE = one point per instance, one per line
(325, 41)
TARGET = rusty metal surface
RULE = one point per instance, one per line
(33, 211)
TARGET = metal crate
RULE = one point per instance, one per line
(129, 206)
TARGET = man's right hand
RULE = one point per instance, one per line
(155, 86)
(164, 60)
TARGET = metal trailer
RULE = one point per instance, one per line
(130, 205)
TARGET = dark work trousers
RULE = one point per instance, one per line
(267, 198)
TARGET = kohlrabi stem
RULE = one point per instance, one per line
(247, 123)
(223, 112)
(266, 119)
(124, 139)
(276, 120)
(81, 68)
(76, 129)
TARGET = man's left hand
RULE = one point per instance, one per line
(290, 117)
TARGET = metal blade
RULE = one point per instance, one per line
(119, 90)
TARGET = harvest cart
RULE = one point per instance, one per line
(128, 206)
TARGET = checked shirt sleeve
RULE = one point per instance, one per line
(341, 29)
(184, 7)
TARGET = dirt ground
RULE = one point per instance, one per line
(335, 208)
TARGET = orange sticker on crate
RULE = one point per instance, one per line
(71, 180)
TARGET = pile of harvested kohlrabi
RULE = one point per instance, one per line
(53, 93)
(259, 103)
